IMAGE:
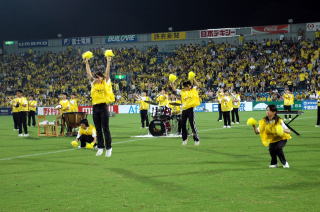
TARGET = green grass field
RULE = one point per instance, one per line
(227, 172)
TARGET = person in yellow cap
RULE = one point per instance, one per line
(32, 111)
(86, 134)
(288, 101)
(273, 133)
(190, 99)
(101, 93)
(22, 104)
(144, 107)
(235, 105)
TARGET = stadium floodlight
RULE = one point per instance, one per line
(290, 21)
(170, 29)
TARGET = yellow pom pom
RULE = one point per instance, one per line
(251, 121)
(191, 75)
(74, 143)
(279, 130)
(89, 146)
(172, 77)
(87, 55)
(108, 53)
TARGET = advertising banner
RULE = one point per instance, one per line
(168, 36)
(32, 43)
(121, 38)
(312, 27)
(5, 111)
(218, 33)
(88, 109)
(310, 105)
(263, 104)
(76, 41)
(272, 29)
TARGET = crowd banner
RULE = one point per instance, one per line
(77, 41)
(168, 36)
(121, 38)
(262, 105)
(310, 105)
(32, 43)
(5, 111)
(218, 33)
(271, 29)
(312, 27)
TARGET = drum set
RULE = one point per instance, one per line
(164, 121)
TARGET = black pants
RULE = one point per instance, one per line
(287, 108)
(85, 139)
(22, 122)
(189, 114)
(15, 116)
(220, 112)
(318, 116)
(32, 115)
(226, 118)
(101, 122)
(144, 118)
(235, 113)
(276, 150)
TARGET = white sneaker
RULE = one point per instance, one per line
(184, 142)
(197, 143)
(220, 120)
(290, 119)
(228, 126)
(232, 122)
(237, 123)
(108, 153)
(224, 126)
(20, 135)
(26, 135)
(79, 147)
(286, 165)
(99, 152)
(273, 166)
(317, 125)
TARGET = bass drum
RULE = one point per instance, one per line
(157, 128)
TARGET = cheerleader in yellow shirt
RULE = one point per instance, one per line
(273, 133)
(288, 101)
(101, 94)
(226, 107)
(144, 107)
(86, 134)
(190, 99)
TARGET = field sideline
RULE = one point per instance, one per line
(227, 172)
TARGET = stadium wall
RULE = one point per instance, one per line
(144, 41)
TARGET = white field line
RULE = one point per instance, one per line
(120, 142)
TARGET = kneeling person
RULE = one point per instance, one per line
(86, 134)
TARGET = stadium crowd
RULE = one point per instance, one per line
(259, 71)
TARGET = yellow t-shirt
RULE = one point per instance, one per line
(236, 101)
(102, 92)
(162, 100)
(32, 105)
(65, 106)
(73, 105)
(143, 104)
(226, 103)
(318, 92)
(23, 104)
(91, 130)
(13, 105)
(189, 98)
(288, 99)
(175, 109)
(268, 132)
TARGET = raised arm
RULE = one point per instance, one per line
(88, 70)
(195, 82)
(107, 73)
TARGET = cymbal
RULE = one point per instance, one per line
(175, 104)
(151, 103)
